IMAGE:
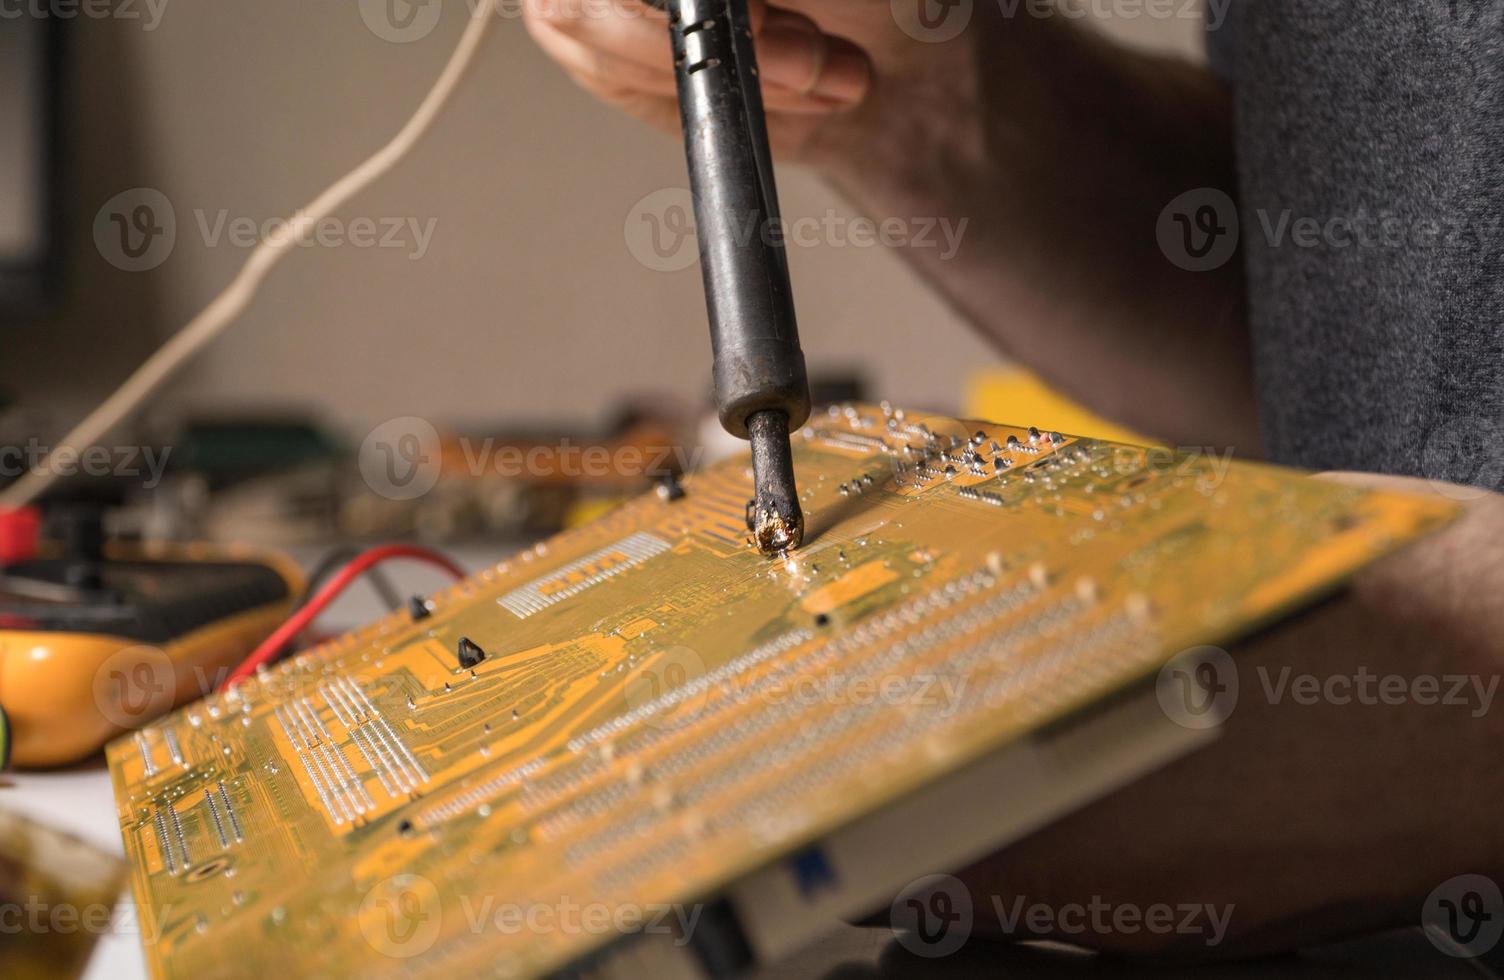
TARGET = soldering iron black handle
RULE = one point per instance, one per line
(758, 362)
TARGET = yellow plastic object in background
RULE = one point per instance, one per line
(1021, 398)
(67, 694)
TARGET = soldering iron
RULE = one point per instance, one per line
(762, 391)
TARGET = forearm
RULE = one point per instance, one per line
(1357, 771)
(1059, 150)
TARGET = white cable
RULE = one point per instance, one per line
(220, 313)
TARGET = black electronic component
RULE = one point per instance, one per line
(470, 653)
(670, 487)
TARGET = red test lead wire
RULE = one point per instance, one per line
(300, 620)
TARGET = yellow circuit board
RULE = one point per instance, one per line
(660, 710)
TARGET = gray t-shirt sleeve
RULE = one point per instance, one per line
(1371, 170)
(1220, 21)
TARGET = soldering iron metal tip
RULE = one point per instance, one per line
(774, 517)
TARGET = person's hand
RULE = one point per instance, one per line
(818, 61)
(1048, 151)
(1309, 819)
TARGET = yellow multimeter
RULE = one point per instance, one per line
(93, 648)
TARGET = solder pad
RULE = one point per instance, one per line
(662, 711)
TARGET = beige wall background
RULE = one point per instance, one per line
(527, 305)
